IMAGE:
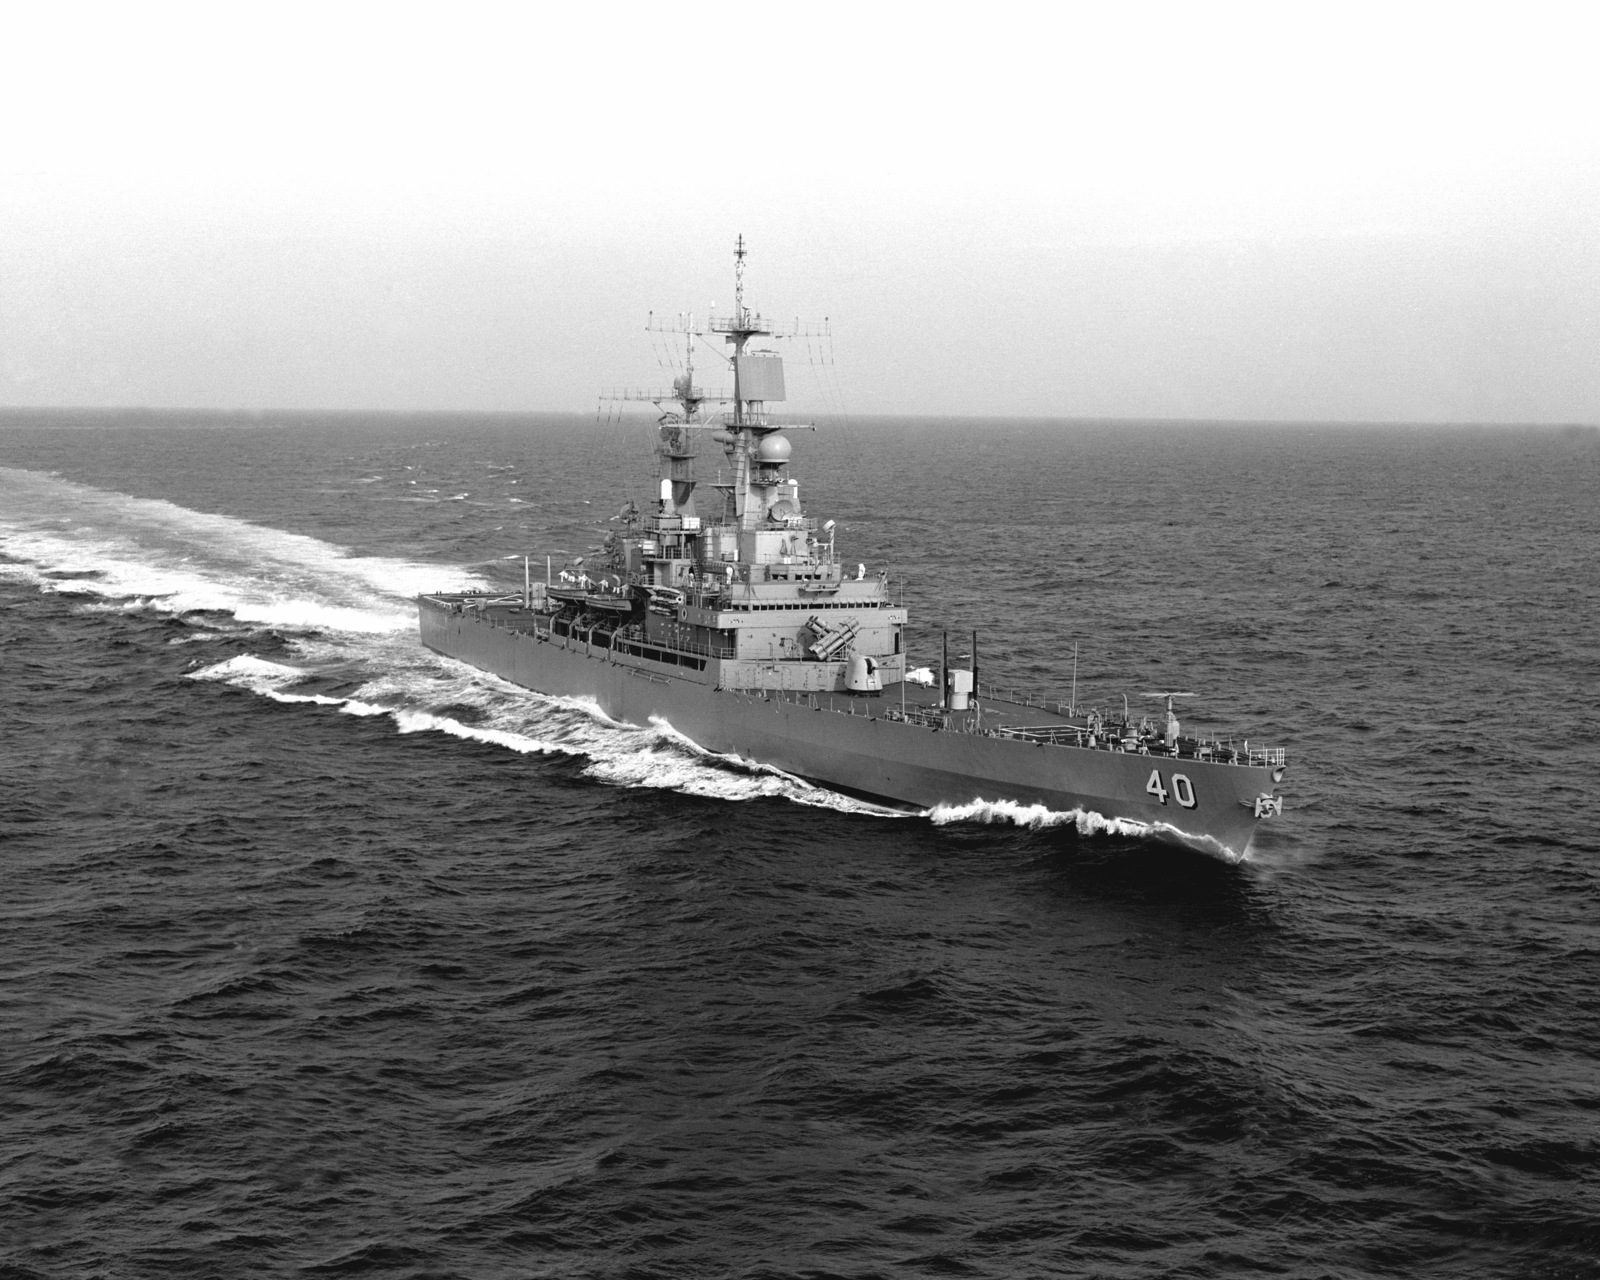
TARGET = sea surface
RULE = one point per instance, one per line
(323, 955)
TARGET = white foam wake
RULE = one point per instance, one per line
(259, 676)
(1036, 816)
(1085, 821)
(426, 694)
(148, 553)
(758, 779)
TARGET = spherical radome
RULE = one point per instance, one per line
(773, 450)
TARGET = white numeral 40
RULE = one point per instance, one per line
(1182, 789)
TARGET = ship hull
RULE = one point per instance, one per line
(848, 745)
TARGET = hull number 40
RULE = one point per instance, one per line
(1182, 790)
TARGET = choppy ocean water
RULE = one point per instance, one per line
(321, 954)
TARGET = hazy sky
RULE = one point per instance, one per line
(1329, 211)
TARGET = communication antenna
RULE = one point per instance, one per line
(738, 277)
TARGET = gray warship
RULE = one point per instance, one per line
(733, 618)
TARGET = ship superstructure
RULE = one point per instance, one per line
(740, 574)
(725, 610)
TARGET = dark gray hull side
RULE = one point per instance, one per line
(904, 763)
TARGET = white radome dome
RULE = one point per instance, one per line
(774, 450)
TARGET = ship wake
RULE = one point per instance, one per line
(311, 624)
(439, 695)
(143, 553)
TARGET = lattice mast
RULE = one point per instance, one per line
(758, 463)
(756, 378)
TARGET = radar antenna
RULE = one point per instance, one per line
(757, 378)
(689, 397)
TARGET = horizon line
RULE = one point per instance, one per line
(257, 414)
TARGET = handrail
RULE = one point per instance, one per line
(1045, 736)
(678, 646)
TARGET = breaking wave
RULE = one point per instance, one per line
(1036, 816)
(1085, 821)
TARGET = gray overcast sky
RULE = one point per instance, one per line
(1341, 211)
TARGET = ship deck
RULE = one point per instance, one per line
(996, 711)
